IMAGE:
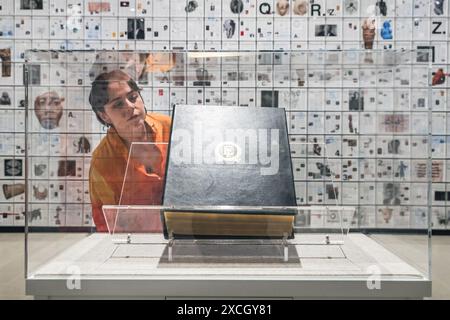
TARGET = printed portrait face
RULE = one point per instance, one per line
(282, 7)
(300, 7)
(48, 108)
(387, 214)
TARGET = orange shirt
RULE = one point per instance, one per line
(109, 165)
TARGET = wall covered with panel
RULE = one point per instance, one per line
(332, 116)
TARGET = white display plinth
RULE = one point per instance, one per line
(325, 271)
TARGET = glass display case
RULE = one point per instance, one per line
(280, 174)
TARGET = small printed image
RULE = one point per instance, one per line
(356, 101)
(5, 56)
(40, 169)
(12, 190)
(40, 192)
(269, 58)
(300, 7)
(441, 196)
(203, 77)
(394, 146)
(438, 7)
(385, 215)
(437, 170)
(13, 168)
(97, 7)
(425, 54)
(66, 168)
(236, 6)
(31, 4)
(326, 30)
(302, 219)
(191, 6)
(391, 194)
(269, 99)
(136, 29)
(351, 6)
(333, 217)
(394, 123)
(282, 7)
(35, 74)
(5, 99)
(48, 108)
(83, 145)
(332, 192)
(33, 215)
(229, 26)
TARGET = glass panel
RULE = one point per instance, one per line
(298, 163)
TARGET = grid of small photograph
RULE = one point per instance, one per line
(383, 177)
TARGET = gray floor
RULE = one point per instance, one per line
(12, 284)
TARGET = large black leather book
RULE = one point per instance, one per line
(229, 156)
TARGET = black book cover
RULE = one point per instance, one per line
(235, 156)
